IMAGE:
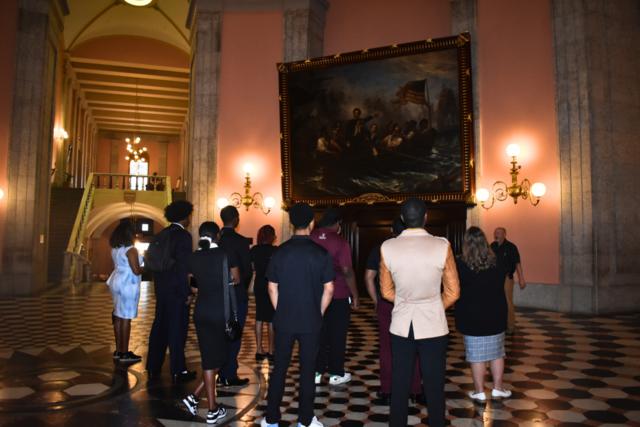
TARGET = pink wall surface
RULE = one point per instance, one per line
(133, 49)
(8, 28)
(355, 24)
(249, 129)
(517, 104)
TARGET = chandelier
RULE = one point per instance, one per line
(134, 152)
(501, 191)
(257, 200)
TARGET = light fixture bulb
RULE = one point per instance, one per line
(247, 168)
(269, 202)
(1, 193)
(513, 150)
(139, 3)
(222, 202)
(127, 140)
(137, 140)
(126, 157)
(482, 195)
(538, 189)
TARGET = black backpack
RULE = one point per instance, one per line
(158, 257)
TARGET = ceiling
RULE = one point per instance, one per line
(134, 98)
(124, 95)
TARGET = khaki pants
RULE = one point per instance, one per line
(511, 316)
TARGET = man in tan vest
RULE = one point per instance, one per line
(412, 268)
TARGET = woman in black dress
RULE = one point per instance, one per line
(260, 256)
(206, 266)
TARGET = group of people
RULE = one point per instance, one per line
(305, 290)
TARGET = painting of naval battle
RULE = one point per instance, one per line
(379, 125)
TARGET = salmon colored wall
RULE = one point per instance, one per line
(248, 124)
(133, 49)
(8, 28)
(517, 104)
(354, 24)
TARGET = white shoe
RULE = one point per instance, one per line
(318, 379)
(500, 393)
(314, 423)
(264, 423)
(337, 379)
(480, 397)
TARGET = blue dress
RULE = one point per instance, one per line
(124, 285)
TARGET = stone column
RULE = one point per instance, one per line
(205, 22)
(464, 18)
(304, 22)
(597, 63)
(24, 267)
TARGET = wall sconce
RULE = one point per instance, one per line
(501, 191)
(60, 134)
(257, 200)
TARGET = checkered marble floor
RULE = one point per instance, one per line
(56, 370)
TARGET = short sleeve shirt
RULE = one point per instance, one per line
(507, 255)
(300, 267)
(340, 252)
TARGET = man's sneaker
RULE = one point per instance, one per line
(264, 423)
(314, 423)
(129, 357)
(116, 355)
(500, 393)
(480, 397)
(214, 416)
(318, 379)
(191, 403)
(337, 379)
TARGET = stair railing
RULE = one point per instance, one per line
(74, 248)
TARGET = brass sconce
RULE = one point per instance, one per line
(257, 200)
(501, 191)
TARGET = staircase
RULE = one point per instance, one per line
(64, 207)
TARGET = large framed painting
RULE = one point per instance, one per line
(379, 125)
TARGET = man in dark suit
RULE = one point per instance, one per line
(237, 246)
(173, 298)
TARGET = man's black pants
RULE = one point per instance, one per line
(308, 351)
(170, 327)
(432, 354)
(333, 338)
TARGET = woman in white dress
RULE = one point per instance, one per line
(124, 283)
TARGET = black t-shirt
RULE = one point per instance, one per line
(206, 267)
(300, 267)
(237, 246)
(507, 255)
(373, 263)
(482, 307)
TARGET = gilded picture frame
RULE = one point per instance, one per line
(379, 125)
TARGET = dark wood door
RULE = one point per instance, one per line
(365, 227)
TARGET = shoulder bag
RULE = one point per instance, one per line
(231, 324)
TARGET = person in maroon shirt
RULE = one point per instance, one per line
(333, 337)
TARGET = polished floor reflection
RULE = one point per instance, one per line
(56, 369)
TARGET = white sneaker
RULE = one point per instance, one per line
(500, 393)
(318, 379)
(337, 379)
(314, 423)
(264, 423)
(480, 397)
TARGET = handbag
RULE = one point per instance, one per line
(231, 324)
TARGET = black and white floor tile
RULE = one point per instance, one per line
(56, 369)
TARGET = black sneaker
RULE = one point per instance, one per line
(116, 355)
(184, 377)
(191, 403)
(129, 357)
(234, 382)
(270, 357)
(214, 416)
(260, 357)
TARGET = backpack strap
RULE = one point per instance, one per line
(230, 304)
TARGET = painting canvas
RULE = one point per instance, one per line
(378, 125)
